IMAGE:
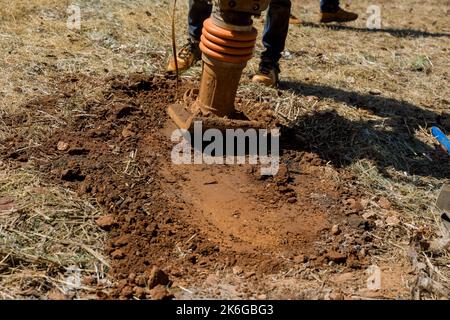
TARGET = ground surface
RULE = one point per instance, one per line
(92, 207)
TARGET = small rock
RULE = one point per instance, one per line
(62, 146)
(211, 280)
(292, 200)
(369, 215)
(336, 295)
(365, 203)
(126, 292)
(374, 92)
(362, 253)
(335, 230)
(336, 257)
(139, 292)
(379, 223)
(141, 280)
(384, 203)
(283, 174)
(300, 258)
(118, 254)
(105, 222)
(355, 221)
(56, 295)
(191, 258)
(122, 241)
(132, 277)
(237, 270)
(354, 205)
(392, 221)
(160, 292)
(85, 187)
(157, 277)
(89, 281)
(121, 284)
(127, 132)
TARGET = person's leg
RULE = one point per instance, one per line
(189, 54)
(274, 39)
(275, 30)
(199, 11)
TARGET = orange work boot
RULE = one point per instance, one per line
(294, 20)
(339, 16)
(267, 75)
(188, 55)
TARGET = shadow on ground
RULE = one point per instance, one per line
(388, 143)
(401, 33)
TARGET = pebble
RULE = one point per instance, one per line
(160, 292)
(139, 292)
(105, 222)
(118, 254)
(292, 200)
(335, 230)
(369, 215)
(384, 203)
(392, 221)
(126, 292)
(141, 280)
(62, 146)
(157, 277)
(237, 270)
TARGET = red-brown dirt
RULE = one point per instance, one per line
(190, 220)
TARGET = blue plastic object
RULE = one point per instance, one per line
(441, 137)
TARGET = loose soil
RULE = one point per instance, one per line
(191, 221)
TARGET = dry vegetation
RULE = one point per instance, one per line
(362, 99)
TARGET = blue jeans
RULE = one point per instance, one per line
(199, 11)
(329, 6)
(275, 31)
(275, 27)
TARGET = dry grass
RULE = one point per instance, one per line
(363, 100)
(48, 233)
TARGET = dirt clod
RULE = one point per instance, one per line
(127, 292)
(392, 221)
(336, 257)
(384, 203)
(62, 146)
(118, 254)
(105, 222)
(237, 270)
(335, 230)
(160, 292)
(157, 277)
(72, 175)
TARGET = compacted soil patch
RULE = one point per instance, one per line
(178, 224)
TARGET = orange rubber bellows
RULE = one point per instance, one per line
(225, 54)
(227, 45)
